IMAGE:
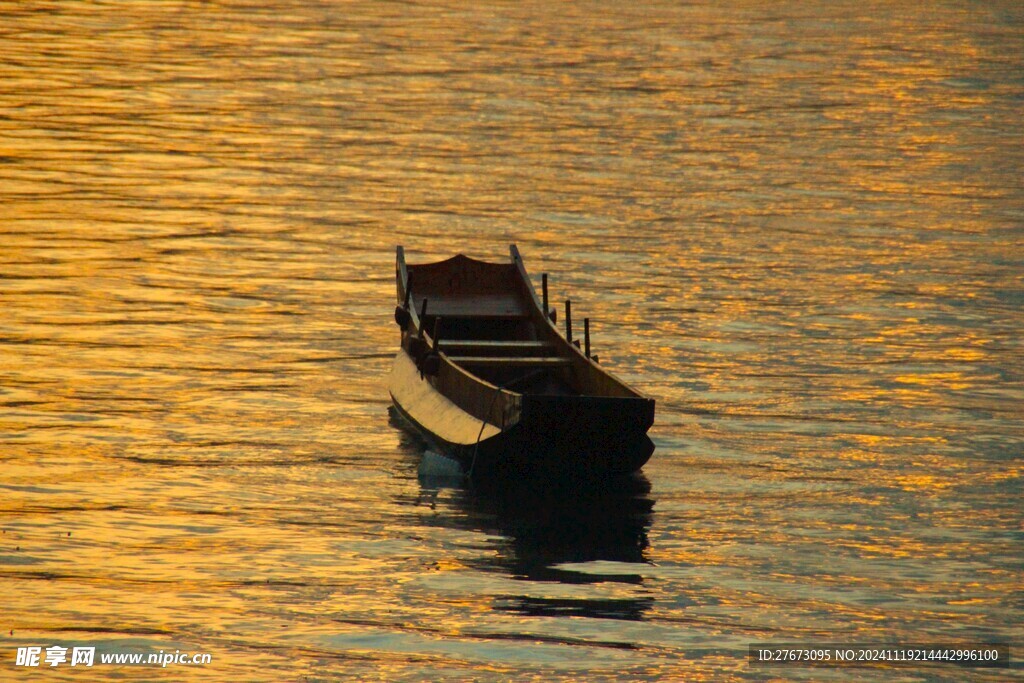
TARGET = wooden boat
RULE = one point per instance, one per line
(486, 376)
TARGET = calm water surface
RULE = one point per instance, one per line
(798, 226)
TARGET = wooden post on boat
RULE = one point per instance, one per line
(568, 320)
(586, 336)
(423, 316)
(402, 313)
(429, 363)
(544, 289)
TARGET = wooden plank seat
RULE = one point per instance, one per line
(480, 347)
(511, 361)
(479, 306)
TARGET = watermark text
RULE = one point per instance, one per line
(60, 655)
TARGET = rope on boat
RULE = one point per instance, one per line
(483, 423)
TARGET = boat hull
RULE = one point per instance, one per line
(555, 436)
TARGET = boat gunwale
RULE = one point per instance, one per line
(577, 354)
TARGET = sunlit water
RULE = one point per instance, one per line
(798, 226)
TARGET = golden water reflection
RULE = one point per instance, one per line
(796, 227)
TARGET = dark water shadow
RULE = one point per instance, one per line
(536, 527)
(551, 523)
(545, 526)
(537, 531)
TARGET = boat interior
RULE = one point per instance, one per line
(503, 350)
(484, 324)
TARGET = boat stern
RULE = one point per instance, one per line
(586, 434)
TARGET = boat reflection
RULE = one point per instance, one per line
(542, 531)
(564, 522)
(546, 531)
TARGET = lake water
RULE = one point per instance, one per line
(799, 226)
